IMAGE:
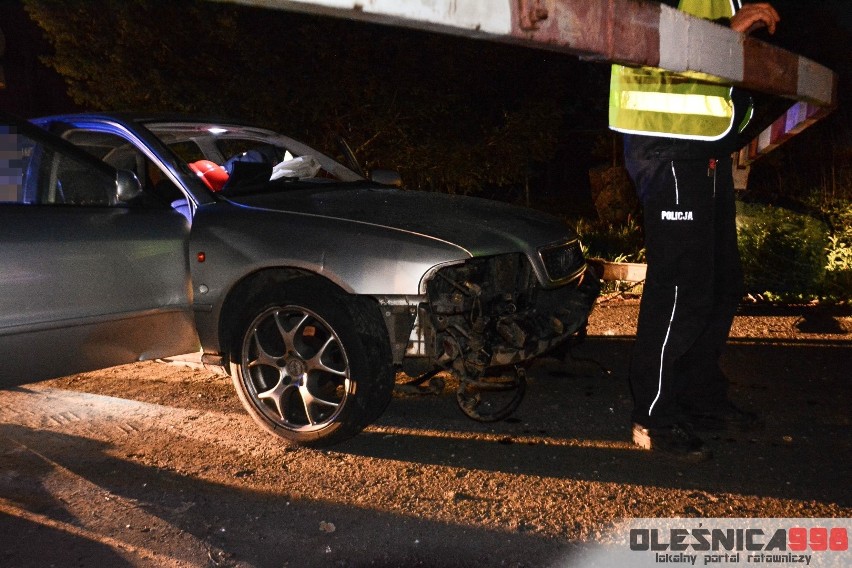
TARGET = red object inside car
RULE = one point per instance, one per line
(212, 174)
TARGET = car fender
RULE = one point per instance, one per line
(230, 243)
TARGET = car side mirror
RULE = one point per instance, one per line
(386, 177)
(127, 186)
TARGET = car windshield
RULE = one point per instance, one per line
(233, 159)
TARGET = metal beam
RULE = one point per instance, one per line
(629, 32)
(796, 119)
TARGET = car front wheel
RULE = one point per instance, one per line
(312, 368)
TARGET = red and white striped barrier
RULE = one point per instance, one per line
(630, 32)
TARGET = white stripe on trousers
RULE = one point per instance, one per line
(663, 354)
(677, 191)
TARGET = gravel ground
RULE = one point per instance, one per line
(157, 465)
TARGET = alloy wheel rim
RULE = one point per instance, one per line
(295, 369)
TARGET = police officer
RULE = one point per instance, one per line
(679, 134)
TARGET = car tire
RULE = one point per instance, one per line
(312, 365)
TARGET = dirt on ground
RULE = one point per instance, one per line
(156, 464)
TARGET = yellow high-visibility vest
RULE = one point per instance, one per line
(658, 103)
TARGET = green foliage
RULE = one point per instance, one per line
(838, 276)
(839, 252)
(786, 256)
(446, 112)
(783, 253)
(615, 242)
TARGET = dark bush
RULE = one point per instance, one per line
(783, 253)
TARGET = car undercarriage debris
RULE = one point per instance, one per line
(489, 317)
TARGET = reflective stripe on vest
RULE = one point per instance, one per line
(654, 102)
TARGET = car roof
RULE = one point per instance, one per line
(139, 118)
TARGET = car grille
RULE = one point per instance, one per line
(563, 261)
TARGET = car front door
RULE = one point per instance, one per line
(86, 280)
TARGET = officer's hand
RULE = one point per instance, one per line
(752, 17)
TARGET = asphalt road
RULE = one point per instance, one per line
(157, 465)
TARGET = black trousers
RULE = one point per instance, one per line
(693, 287)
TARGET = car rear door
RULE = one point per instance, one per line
(86, 281)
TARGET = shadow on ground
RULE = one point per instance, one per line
(230, 526)
(574, 423)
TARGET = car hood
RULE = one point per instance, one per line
(480, 226)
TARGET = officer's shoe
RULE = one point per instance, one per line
(727, 418)
(676, 440)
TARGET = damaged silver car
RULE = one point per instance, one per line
(310, 282)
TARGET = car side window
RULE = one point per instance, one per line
(77, 183)
(35, 173)
(158, 190)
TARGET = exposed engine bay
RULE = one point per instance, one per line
(488, 317)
